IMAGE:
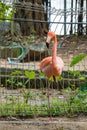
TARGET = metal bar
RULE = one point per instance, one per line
(40, 122)
(86, 16)
(71, 16)
(65, 17)
(40, 21)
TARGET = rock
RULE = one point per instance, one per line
(6, 27)
(36, 52)
(40, 47)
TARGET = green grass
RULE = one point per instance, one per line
(73, 106)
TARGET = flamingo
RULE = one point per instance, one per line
(52, 66)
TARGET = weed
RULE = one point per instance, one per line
(73, 105)
(14, 80)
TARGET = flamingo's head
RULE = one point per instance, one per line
(50, 35)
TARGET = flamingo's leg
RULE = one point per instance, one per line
(48, 97)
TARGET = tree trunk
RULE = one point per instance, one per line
(31, 10)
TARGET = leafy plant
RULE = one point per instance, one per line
(28, 95)
(30, 74)
(75, 73)
(77, 59)
(14, 80)
(59, 78)
(6, 11)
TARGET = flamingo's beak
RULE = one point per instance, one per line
(47, 44)
(48, 41)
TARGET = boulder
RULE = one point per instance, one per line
(36, 52)
(6, 27)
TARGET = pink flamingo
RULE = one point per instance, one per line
(52, 65)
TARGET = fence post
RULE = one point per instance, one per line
(86, 16)
(64, 17)
(71, 29)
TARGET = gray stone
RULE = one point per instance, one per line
(36, 52)
(6, 27)
(40, 47)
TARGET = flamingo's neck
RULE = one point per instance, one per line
(54, 50)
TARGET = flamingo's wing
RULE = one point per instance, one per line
(45, 62)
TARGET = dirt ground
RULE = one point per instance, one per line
(62, 123)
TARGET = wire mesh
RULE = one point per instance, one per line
(23, 89)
